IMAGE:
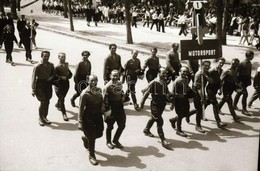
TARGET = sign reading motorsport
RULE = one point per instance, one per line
(210, 49)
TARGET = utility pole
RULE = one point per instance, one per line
(71, 18)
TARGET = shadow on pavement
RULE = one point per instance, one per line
(188, 145)
(132, 158)
(63, 126)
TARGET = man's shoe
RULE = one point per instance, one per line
(118, 144)
(8, 61)
(45, 120)
(41, 122)
(235, 108)
(110, 145)
(221, 113)
(173, 122)
(65, 118)
(187, 119)
(221, 124)
(165, 143)
(85, 141)
(199, 129)
(58, 107)
(245, 112)
(72, 103)
(204, 119)
(181, 133)
(93, 160)
(147, 133)
(236, 118)
(136, 106)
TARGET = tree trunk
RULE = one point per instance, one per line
(13, 9)
(2, 9)
(129, 37)
(220, 9)
(19, 5)
(225, 23)
(65, 14)
(71, 19)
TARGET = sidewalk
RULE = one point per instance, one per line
(144, 38)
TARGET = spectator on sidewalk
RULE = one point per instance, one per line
(244, 31)
(155, 20)
(90, 116)
(89, 13)
(147, 17)
(173, 64)
(62, 85)
(161, 21)
(20, 26)
(42, 77)
(134, 17)
(34, 26)
(26, 41)
(8, 39)
(182, 23)
(82, 71)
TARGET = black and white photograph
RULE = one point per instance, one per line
(123, 85)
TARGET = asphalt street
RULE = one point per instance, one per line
(24, 145)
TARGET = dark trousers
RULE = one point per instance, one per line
(156, 111)
(161, 25)
(28, 51)
(118, 116)
(79, 87)
(131, 82)
(151, 74)
(61, 91)
(183, 29)
(255, 95)
(155, 22)
(244, 92)
(182, 108)
(227, 98)
(211, 99)
(8, 49)
(43, 94)
(198, 107)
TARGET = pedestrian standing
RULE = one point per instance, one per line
(229, 84)
(21, 22)
(113, 99)
(132, 70)
(26, 41)
(256, 85)
(134, 17)
(8, 39)
(181, 93)
(42, 77)
(160, 95)
(82, 71)
(161, 21)
(147, 17)
(244, 78)
(155, 20)
(33, 27)
(63, 74)
(112, 62)
(90, 116)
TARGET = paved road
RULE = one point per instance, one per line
(24, 145)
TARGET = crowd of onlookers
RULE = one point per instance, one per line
(242, 20)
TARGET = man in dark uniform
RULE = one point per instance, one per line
(82, 71)
(132, 70)
(20, 26)
(244, 77)
(10, 20)
(229, 84)
(62, 74)
(42, 77)
(112, 62)
(213, 88)
(90, 116)
(181, 93)
(2, 23)
(153, 65)
(199, 95)
(26, 41)
(173, 63)
(113, 99)
(160, 95)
